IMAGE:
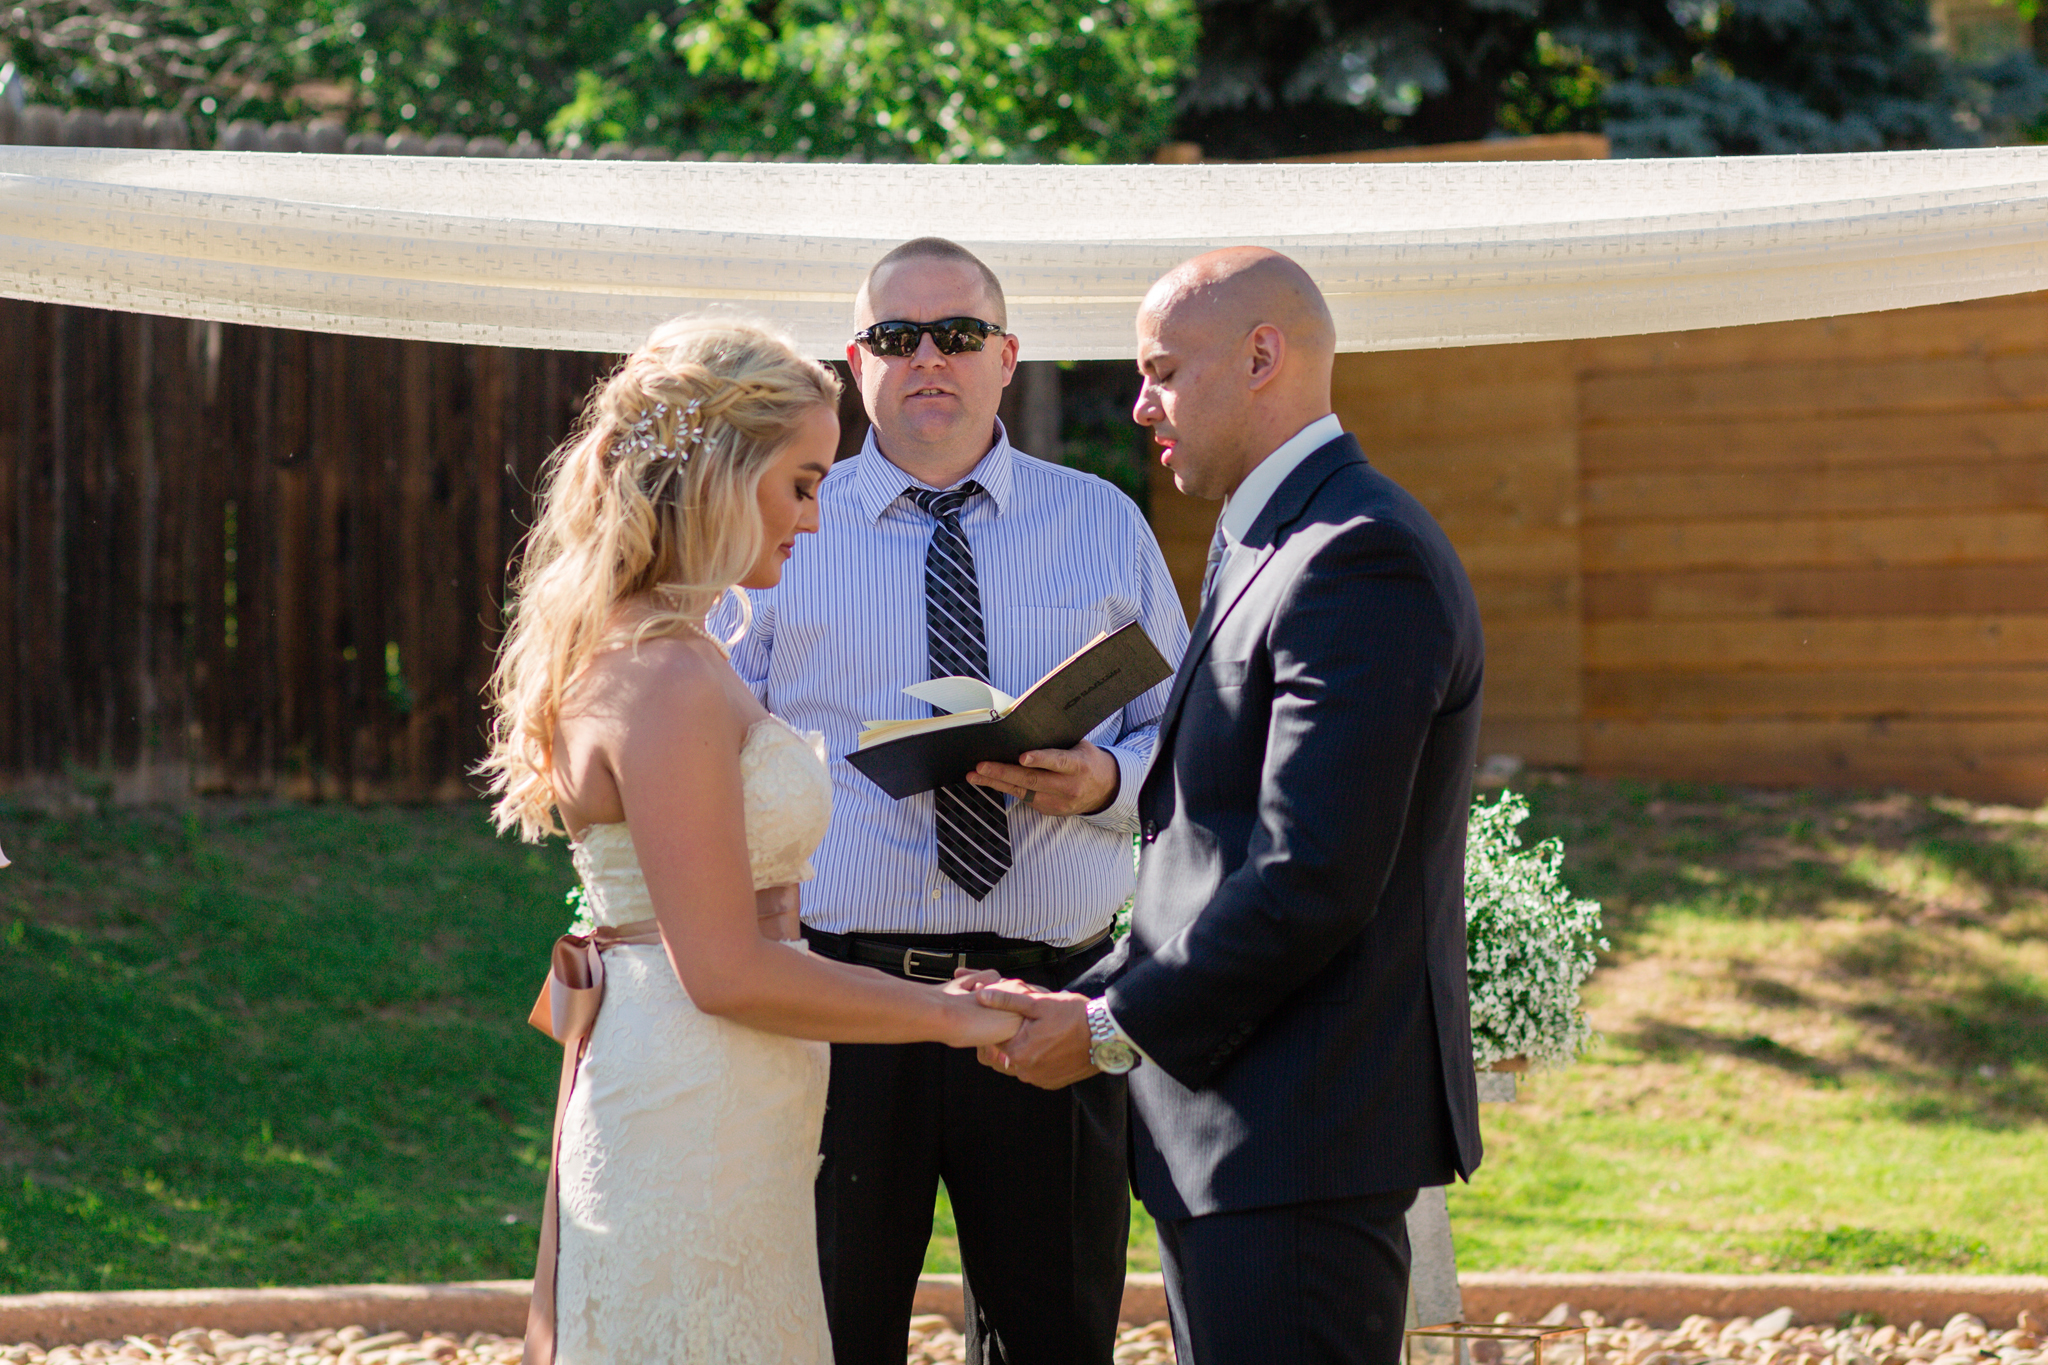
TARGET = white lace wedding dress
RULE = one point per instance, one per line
(690, 1144)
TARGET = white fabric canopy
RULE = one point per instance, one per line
(588, 255)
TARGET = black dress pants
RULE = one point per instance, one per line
(1315, 1284)
(1039, 1188)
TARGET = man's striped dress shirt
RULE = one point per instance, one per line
(1060, 555)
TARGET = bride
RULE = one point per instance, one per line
(689, 1140)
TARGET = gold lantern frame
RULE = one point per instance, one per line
(1497, 1343)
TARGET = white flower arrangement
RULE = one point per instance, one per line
(1530, 944)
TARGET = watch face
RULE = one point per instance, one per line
(1113, 1056)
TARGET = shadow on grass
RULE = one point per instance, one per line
(1666, 1041)
(1930, 907)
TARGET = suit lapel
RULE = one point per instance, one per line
(1238, 572)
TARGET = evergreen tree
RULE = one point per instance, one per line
(1775, 76)
(1661, 77)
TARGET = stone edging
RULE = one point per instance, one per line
(500, 1305)
(1667, 1300)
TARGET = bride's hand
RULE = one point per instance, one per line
(972, 1025)
(967, 981)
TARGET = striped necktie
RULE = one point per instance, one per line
(973, 826)
(1218, 546)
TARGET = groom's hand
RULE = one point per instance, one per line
(1050, 1049)
(1076, 781)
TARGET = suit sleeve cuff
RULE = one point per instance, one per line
(1136, 1047)
(1120, 816)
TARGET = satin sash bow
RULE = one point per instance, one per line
(567, 1011)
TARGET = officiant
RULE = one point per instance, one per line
(943, 550)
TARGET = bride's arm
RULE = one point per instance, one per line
(778, 911)
(677, 764)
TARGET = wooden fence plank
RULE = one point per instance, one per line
(1818, 542)
(52, 724)
(2014, 322)
(1791, 489)
(1452, 369)
(1531, 479)
(1545, 742)
(1791, 390)
(1509, 409)
(380, 610)
(1502, 597)
(484, 471)
(134, 516)
(256, 563)
(1912, 590)
(1798, 645)
(16, 321)
(176, 389)
(1517, 552)
(1991, 759)
(1835, 693)
(93, 535)
(295, 570)
(447, 711)
(1668, 442)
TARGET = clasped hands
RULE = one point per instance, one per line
(1050, 1047)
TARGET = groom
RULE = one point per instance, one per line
(1291, 999)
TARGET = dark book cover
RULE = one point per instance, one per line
(1057, 713)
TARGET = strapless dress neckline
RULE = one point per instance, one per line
(786, 792)
(577, 841)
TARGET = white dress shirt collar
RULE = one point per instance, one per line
(879, 482)
(1267, 475)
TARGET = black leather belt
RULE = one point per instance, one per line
(935, 959)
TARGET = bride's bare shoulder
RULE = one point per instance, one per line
(667, 675)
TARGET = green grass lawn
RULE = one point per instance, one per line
(271, 1045)
(267, 1044)
(1825, 1043)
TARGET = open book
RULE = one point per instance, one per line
(985, 725)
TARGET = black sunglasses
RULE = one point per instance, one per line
(950, 335)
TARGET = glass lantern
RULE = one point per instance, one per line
(1497, 1343)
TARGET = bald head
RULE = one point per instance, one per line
(1236, 347)
(1232, 291)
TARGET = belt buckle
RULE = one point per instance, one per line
(950, 961)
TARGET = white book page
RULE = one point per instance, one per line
(954, 695)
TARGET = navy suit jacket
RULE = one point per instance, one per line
(1295, 969)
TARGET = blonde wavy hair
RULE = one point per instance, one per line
(622, 514)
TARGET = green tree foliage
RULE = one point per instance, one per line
(938, 80)
(1661, 77)
(149, 54)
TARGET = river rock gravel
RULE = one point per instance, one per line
(1774, 1339)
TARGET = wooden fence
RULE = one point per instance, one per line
(238, 559)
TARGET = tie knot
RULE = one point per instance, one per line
(946, 503)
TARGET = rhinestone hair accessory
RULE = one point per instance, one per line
(640, 439)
